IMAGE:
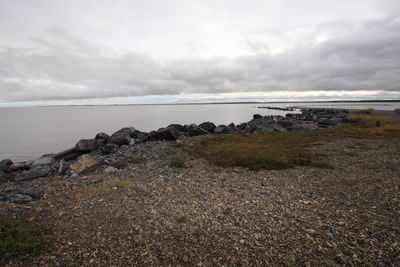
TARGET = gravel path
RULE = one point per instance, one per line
(152, 214)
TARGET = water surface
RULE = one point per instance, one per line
(30, 132)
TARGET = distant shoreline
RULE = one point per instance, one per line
(214, 103)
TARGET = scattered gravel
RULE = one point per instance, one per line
(148, 213)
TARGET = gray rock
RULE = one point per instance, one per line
(129, 131)
(63, 167)
(285, 123)
(208, 126)
(32, 192)
(102, 136)
(34, 173)
(19, 199)
(170, 134)
(178, 127)
(110, 169)
(327, 121)
(257, 116)
(196, 130)
(86, 145)
(107, 149)
(5, 163)
(221, 129)
(74, 176)
(71, 156)
(44, 160)
(120, 140)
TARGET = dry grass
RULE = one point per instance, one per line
(111, 184)
(281, 150)
(18, 238)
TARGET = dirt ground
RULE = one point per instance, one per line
(152, 214)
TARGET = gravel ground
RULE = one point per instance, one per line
(152, 214)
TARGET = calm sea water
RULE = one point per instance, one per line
(30, 132)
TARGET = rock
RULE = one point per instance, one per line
(34, 173)
(377, 235)
(86, 145)
(330, 122)
(120, 140)
(127, 131)
(196, 130)
(178, 127)
(4, 164)
(169, 134)
(19, 199)
(83, 164)
(221, 129)
(141, 137)
(208, 126)
(107, 149)
(263, 125)
(32, 192)
(257, 116)
(71, 156)
(102, 136)
(110, 169)
(44, 160)
(74, 176)
(17, 166)
(63, 167)
(285, 123)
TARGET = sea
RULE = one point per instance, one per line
(29, 132)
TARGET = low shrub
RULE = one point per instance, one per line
(177, 163)
(18, 239)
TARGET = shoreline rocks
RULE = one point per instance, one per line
(87, 153)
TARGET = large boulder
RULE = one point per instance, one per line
(120, 140)
(221, 129)
(285, 123)
(170, 134)
(208, 126)
(178, 127)
(83, 164)
(102, 136)
(195, 130)
(123, 136)
(34, 173)
(130, 131)
(4, 164)
(86, 145)
(107, 148)
(44, 160)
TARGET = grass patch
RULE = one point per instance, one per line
(106, 187)
(177, 163)
(397, 110)
(365, 111)
(120, 164)
(281, 150)
(18, 239)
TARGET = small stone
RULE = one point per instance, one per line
(241, 241)
(19, 199)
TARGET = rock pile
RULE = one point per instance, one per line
(87, 152)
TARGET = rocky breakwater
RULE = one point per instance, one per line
(100, 151)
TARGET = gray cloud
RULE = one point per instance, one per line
(57, 65)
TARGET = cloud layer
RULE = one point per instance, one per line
(345, 55)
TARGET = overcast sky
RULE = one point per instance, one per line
(166, 51)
